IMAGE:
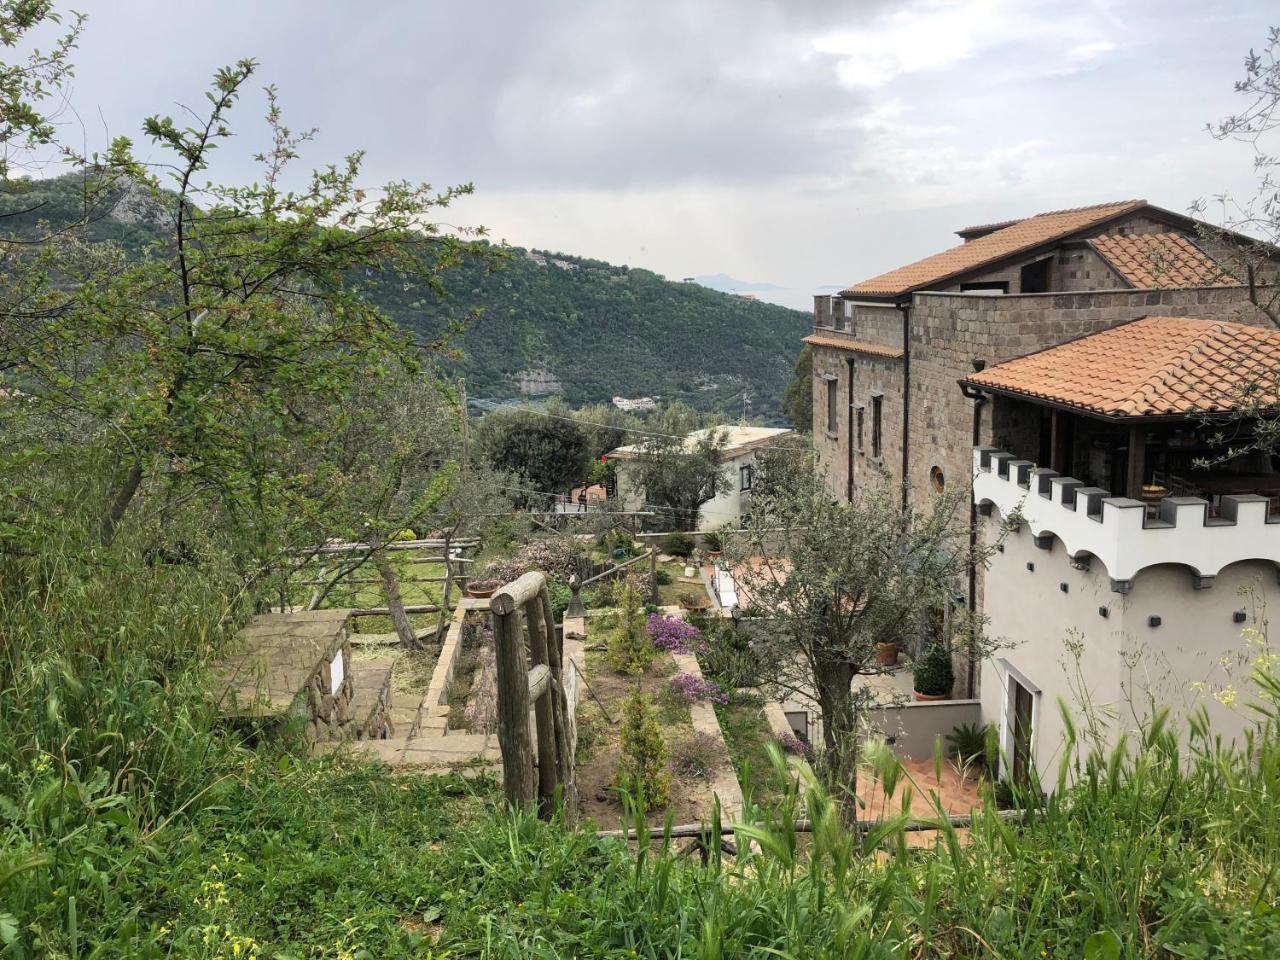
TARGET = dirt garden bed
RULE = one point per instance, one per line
(698, 762)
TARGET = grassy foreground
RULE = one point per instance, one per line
(133, 825)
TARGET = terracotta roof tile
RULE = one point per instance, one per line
(977, 228)
(1160, 261)
(1020, 235)
(1150, 367)
(856, 346)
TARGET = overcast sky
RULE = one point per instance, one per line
(802, 143)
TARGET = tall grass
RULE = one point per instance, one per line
(132, 825)
(105, 733)
(1166, 846)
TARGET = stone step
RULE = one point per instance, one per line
(426, 754)
(371, 697)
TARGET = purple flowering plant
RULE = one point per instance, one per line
(673, 634)
(792, 744)
(694, 689)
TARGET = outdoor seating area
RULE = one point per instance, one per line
(1145, 410)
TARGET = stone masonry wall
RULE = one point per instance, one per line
(949, 331)
(876, 324)
(829, 444)
(878, 376)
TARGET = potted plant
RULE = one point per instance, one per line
(713, 542)
(887, 653)
(693, 601)
(482, 589)
(933, 675)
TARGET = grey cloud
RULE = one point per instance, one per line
(517, 94)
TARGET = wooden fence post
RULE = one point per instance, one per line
(560, 710)
(544, 685)
(653, 575)
(513, 709)
(544, 718)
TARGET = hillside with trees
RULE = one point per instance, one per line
(597, 329)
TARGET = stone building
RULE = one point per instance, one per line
(887, 351)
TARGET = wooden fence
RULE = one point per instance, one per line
(520, 610)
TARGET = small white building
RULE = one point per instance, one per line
(636, 404)
(738, 458)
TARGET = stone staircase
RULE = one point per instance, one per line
(418, 736)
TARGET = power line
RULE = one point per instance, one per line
(651, 507)
(603, 426)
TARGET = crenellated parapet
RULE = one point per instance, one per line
(1116, 531)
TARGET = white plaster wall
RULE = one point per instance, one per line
(1123, 663)
(1198, 651)
(726, 508)
(1119, 538)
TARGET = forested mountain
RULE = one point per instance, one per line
(592, 329)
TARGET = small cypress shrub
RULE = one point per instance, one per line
(630, 649)
(642, 770)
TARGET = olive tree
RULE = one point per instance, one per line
(826, 581)
(548, 453)
(202, 361)
(680, 468)
(1246, 241)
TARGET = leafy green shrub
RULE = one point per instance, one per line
(727, 657)
(677, 544)
(662, 578)
(642, 770)
(933, 673)
(968, 742)
(561, 595)
(619, 543)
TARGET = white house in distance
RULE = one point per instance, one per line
(1143, 564)
(738, 458)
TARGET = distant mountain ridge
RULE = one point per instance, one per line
(552, 323)
(790, 297)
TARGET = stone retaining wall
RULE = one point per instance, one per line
(724, 784)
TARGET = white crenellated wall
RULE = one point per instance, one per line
(1115, 530)
(1171, 613)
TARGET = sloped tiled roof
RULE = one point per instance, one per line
(978, 228)
(1160, 261)
(1021, 235)
(1150, 367)
(857, 346)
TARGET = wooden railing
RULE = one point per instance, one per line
(519, 609)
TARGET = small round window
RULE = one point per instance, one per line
(937, 478)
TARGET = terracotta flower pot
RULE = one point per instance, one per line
(887, 654)
(929, 697)
(482, 589)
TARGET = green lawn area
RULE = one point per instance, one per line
(669, 594)
(351, 593)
